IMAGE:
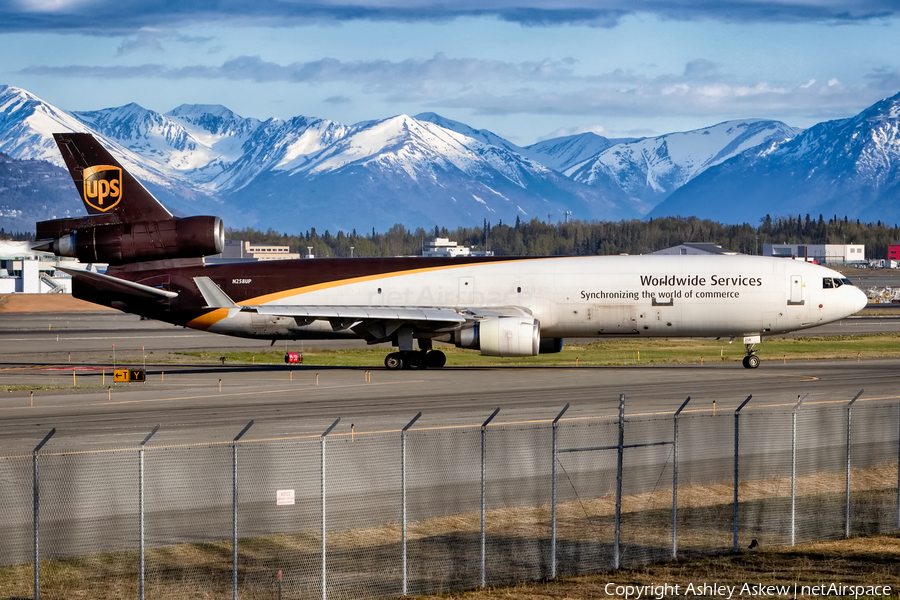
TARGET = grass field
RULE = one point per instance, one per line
(605, 353)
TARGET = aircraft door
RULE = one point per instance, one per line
(796, 297)
(614, 319)
(466, 291)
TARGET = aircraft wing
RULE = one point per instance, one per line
(431, 317)
(391, 313)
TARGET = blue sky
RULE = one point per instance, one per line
(525, 69)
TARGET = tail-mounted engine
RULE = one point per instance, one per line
(120, 243)
(502, 336)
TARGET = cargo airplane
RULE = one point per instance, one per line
(501, 306)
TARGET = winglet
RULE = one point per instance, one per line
(213, 294)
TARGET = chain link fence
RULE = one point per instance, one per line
(430, 510)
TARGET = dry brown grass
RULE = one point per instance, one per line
(857, 561)
(360, 555)
(34, 303)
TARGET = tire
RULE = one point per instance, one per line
(435, 359)
(415, 360)
(751, 362)
(393, 361)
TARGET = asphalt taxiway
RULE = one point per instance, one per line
(198, 406)
(199, 403)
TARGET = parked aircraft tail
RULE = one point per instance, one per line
(126, 223)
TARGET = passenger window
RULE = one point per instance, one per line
(827, 284)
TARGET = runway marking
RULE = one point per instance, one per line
(65, 338)
(258, 392)
(76, 368)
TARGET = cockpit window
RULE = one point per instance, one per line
(846, 281)
(827, 284)
(838, 283)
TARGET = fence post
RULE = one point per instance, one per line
(734, 511)
(847, 492)
(554, 427)
(322, 471)
(675, 480)
(794, 465)
(621, 452)
(37, 508)
(404, 584)
(141, 512)
(483, 501)
(234, 512)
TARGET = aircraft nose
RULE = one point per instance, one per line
(859, 300)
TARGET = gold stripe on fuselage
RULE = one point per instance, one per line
(207, 320)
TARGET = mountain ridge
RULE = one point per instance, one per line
(428, 170)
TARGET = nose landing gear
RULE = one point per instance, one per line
(751, 361)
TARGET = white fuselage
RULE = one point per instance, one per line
(654, 296)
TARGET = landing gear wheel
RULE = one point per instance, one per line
(393, 361)
(751, 361)
(435, 359)
(415, 360)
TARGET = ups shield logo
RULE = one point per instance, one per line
(103, 187)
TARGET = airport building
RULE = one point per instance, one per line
(824, 254)
(238, 250)
(443, 247)
(697, 250)
(24, 271)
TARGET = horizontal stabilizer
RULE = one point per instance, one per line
(114, 284)
(213, 294)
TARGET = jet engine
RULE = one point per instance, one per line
(502, 336)
(120, 243)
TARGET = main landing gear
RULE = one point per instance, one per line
(415, 359)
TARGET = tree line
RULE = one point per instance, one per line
(583, 238)
(579, 238)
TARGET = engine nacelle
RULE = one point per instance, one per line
(502, 336)
(120, 243)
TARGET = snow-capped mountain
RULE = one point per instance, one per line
(563, 153)
(324, 173)
(652, 168)
(25, 124)
(428, 170)
(34, 190)
(843, 167)
(482, 135)
(402, 166)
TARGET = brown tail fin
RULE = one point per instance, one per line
(105, 187)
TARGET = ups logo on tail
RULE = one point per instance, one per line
(103, 186)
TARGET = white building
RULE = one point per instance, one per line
(443, 247)
(825, 254)
(238, 250)
(24, 271)
(696, 249)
